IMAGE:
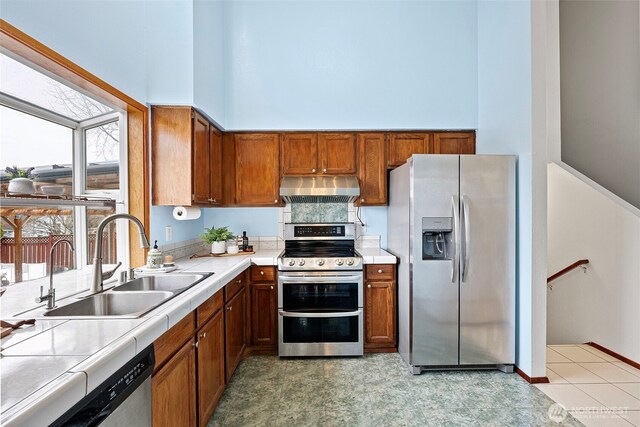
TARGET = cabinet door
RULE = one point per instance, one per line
(380, 316)
(299, 154)
(211, 374)
(173, 390)
(403, 145)
(257, 169)
(337, 152)
(264, 327)
(372, 169)
(454, 143)
(215, 165)
(201, 165)
(235, 314)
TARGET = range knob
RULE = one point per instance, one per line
(291, 262)
(301, 262)
(321, 262)
(349, 262)
(339, 262)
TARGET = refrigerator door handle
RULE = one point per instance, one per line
(464, 212)
(456, 229)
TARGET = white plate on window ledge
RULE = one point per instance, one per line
(52, 190)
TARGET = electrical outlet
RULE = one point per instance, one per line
(168, 233)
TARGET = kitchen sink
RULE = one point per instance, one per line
(175, 283)
(130, 304)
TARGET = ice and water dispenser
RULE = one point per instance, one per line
(437, 238)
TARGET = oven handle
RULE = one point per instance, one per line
(321, 315)
(319, 279)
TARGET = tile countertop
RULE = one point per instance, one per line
(48, 367)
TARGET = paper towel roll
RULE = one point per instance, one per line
(182, 213)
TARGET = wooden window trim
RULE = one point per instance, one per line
(37, 53)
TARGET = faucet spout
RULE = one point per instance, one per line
(98, 275)
(51, 296)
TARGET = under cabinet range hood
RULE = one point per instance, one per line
(319, 189)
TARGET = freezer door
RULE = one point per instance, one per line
(434, 283)
(487, 266)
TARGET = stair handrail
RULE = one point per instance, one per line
(580, 263)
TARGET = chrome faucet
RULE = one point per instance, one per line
(51, 296)
(98, 276)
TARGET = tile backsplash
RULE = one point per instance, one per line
(319, 212)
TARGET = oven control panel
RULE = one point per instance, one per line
(344, 231)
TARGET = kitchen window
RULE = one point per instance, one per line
(71, 141)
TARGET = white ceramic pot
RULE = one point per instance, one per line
(22, 186)
(233, 249)
(219, 247)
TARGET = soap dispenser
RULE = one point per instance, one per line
(154, 257)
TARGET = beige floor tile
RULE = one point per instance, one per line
(570, 396)
(600, 420)
(555, 378)
(611, 396)
(632, 416)
(574, 373)
(610, 372)
(632, 388)
(555, 357)
(628, 368)
(577, 354)
(599, 353)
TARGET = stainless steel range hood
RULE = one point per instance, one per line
(319, 189)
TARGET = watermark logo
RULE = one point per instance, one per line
(557, 413)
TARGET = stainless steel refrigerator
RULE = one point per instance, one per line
(451, 223)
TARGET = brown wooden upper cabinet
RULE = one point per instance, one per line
(257, 170)
(403, 145)
(454, 143)
(372, 169)
(186, 158)
(328, 153)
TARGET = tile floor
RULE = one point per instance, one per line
(596, 388)
(376, 390)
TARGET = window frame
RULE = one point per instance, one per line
(83, 259)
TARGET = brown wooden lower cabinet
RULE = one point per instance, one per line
(380, 308)
(264, 312)
(173, 388)
(235, 332)
(211, 372)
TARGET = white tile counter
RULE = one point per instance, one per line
(48, 367)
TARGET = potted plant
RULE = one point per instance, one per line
(217, 238)
(20, 180)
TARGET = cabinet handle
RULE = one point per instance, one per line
(214, 200)
(369, 286)
(271, 287)
(239, 281)
(261, 273)
(362, 200)
(379, 271)
(275, 201)
(203, 335)
(324, 170)
(229, 308)
(313, 171)
(195, 344)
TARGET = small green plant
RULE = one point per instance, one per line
(216, 235)
(16, 172)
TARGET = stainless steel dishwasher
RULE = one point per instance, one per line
(122, 398)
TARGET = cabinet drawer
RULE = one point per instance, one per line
(261, 273)
(171, 341)
(209, 307)
(235, 285)
(376, 272)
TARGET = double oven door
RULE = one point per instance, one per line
(320, 313)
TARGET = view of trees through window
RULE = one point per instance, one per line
(59, 128)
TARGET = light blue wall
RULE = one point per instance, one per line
(505, 126)
(161, 216)
(208, 68)
(255, 221)
(99, 36)
(350, 64)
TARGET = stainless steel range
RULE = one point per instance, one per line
(320, 292)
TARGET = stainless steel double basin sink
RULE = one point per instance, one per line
(131, 299)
